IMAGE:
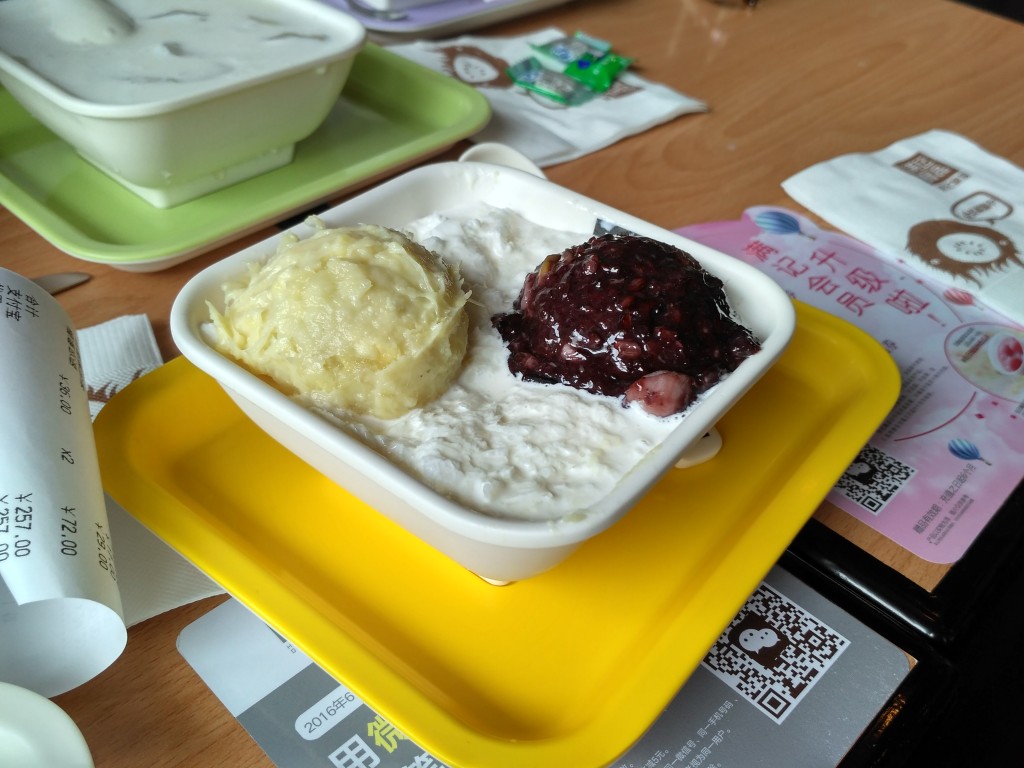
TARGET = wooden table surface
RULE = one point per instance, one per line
(789, 83)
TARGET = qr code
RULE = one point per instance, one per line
(773, 652)
(873, 479)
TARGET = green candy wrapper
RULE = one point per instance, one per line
(534, 76)
(598, 74)
(570, 70)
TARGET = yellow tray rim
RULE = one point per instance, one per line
(863, 394)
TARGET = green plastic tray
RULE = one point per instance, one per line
(391, 114)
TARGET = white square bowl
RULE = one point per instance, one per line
(498, 550)
(175, 144)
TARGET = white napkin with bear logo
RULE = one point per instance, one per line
(542, 129)
(936, 203)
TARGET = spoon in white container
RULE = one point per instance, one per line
(501, 154)
(88, 21)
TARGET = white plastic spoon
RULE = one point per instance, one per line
(501, 154)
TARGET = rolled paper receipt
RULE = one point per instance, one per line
(61, 620)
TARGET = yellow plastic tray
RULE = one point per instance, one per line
(565, 669)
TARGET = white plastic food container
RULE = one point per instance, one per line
(499, 550)
(170, 109)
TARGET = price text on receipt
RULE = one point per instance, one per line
(60, 610)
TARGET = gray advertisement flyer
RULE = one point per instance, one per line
(792, 681)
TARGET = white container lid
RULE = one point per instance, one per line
(180, 52)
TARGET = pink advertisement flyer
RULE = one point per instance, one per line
(948, 454)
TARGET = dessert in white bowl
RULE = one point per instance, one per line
(525, 477)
